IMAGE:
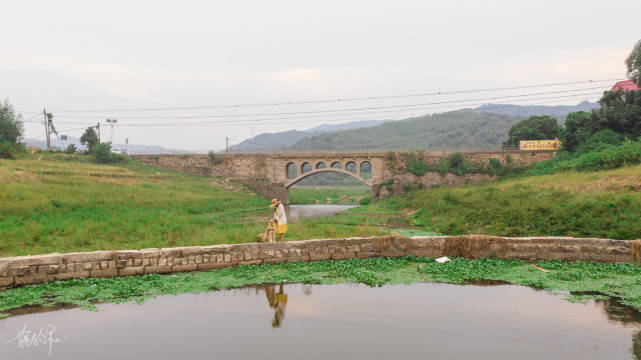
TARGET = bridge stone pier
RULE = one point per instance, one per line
(273, 174)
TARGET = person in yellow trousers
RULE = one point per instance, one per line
(280, 218)
(278, 302)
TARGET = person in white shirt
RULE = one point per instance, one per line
(280, 218)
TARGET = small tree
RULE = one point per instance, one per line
(533, 128)
(633, 63)
(71, 149)
(578, 128)
(103, 155)
(11, 126)
(90, 139)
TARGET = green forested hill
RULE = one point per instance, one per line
(451, 130)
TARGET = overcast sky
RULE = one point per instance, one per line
(104, 55)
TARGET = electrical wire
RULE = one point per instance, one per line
(324, 101)
(337, 110)
(279, 121)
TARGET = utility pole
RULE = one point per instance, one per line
(98, 127)
(227, 144)
(127, 146)
(44, 112)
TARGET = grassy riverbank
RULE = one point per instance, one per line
(603, 204)
(580, 280)
(343, 195)
(64, 203)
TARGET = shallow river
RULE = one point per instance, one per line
(315, 211)
(419, 321)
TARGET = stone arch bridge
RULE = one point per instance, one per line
(273, 174)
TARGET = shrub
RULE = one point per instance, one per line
(102, 154)
(600, 141)
(415, 165)
(71, 149)
(456, 160)
(365, 201)
(10, 150)
(443, 167)
(11, 125)
(611, 157)
(214, 158)
(494, 166)
(389, 184)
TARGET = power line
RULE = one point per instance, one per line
(323, 101)
(278, 120)
(338, 110)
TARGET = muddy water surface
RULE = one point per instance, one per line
(315, 211)
(419, 321)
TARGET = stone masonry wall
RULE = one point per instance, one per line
(272, 167)
(22, 270)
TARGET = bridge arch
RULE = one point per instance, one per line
(321, 165)
(367, 182)
(365, 169)
(351, 166)
(291, 170)
(306, 167)
(336, 165)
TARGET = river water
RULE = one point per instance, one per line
(315, 211)
(295, 321)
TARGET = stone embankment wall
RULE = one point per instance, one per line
(399, 181)
(406, 182)
(22, 270)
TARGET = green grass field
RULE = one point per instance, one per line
(586, 204)
(62, 203)
(344, 195)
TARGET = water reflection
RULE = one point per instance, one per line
(278, 302)
(620, 313)
(396, 321)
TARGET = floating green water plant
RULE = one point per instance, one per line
(580, 280)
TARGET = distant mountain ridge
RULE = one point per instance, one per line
(346, 126)
(559, 111)
(132, 148)
(483, 127)
(281, 140)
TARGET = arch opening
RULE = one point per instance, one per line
(321, 165)
(336, 165)
(351, 167)
(333, 172)
(366, 170)
(306, 167)
(292, 171)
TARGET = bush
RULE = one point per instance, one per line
(365, 201)
(611, 157)
(11, 125)
(71, 149)
(11, 150)
(443, 167)
(600, 141)
(494, 166)
(102, 154)
(456, 160)
(415, 165)
(214, 158)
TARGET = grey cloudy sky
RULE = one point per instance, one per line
(96, 55)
